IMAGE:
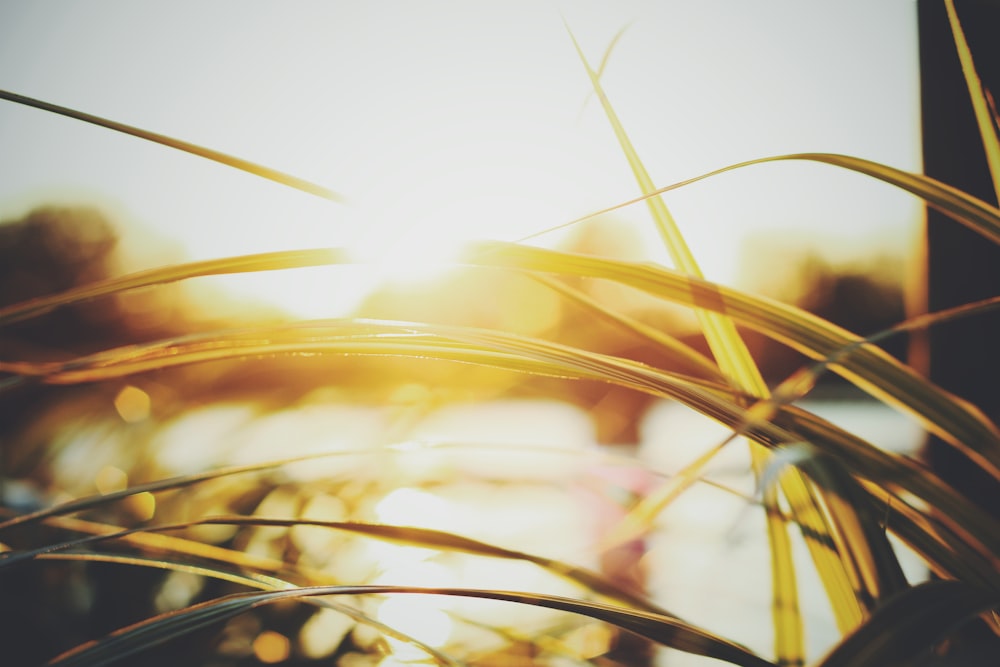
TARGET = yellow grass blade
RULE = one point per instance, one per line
(230, 161)
(872, 559)
(967, 524)
(947, 553)
(152, 537)
(980, 105)
(89, 502)
(976, 214)
(639, 520)
(269, 261)
(251, 580)
(739, 367)
(677, 349)
(871, 369)
(149, 540)
(727, 346)
(257, 582)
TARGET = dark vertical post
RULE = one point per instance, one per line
(962, 266)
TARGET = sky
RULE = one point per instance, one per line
(447, 120)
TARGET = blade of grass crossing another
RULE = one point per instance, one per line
(875, 372)
(535, 356)
(679, 350)
(257, 582)
(727, 346)
(152, 537)
(871, 369)
(911, 624)
(976, 214)
(665, 630)
(738, 366)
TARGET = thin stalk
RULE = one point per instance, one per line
(980, 105)
(209, 154)
(739, 368)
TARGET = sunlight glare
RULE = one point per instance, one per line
(419, 236)
(417, 617)
(413, 507)
(408, 507)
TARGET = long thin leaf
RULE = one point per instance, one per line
(515, 353)
(865, 541)
(977, 94)
(153, 541)
(870, 368)
(258, 582)
(230, 161)
(677, 349)
(954, 420)
(179, 482)
(871, 561)
(731, 354)
(738, 366)
(976, 214)
(911, 624)
(664, 630)
(268, 261)
(145, 536)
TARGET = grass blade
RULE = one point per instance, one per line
(529, 355)
(977, 93)
(871, 369)
(677, 349)
(89, 502)
(151, 537)
(740, 369)
(976, 214)
(152, 632)
(954, 420)
(727, 346)
(230, 161)
(514, 353)
(867, 366)
(911, 624)
(250, 580)
(865, 543)
(268, 261)
(258, 582)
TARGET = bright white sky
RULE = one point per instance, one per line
(457, 119)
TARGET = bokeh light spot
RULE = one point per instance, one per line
(271, 647)
(132, 404)
(110, 480)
